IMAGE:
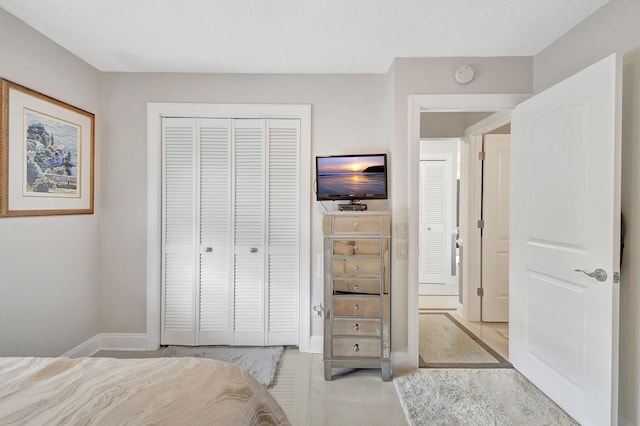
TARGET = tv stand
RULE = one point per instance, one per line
(353, 206)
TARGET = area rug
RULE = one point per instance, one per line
(260, 362)
(475, 397)
(445, 343)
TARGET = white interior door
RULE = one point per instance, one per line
(565, 214)
(495, 234)
(432, 221)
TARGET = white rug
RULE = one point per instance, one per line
(475, 397)
(260, 362)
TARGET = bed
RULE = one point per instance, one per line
(107, 391)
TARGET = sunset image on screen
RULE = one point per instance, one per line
(351, 176)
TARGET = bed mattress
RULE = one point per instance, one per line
(107, 391)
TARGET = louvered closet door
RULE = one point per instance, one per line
(249, 232)
(179, 227)
(283, 138)
(215, 254)
(432, 208)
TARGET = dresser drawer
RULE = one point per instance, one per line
(358, 286)
(356, 306)
(356, 327)
(364, 247)
(356, 224)
(354, 347)
(357, 267)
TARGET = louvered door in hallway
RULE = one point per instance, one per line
(230, 231)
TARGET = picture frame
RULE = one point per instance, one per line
(46, 154)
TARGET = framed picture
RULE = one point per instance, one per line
(46, 154)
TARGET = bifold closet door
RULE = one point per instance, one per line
(214, 218)
(179, 279)
(249, 197)
(230, 231)
(196, 231)
(266, 232)
(283, 213)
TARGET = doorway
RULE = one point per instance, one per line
(444, 135)
(496, 110)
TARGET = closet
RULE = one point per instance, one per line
(230, 231)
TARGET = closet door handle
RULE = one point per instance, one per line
(253, 250)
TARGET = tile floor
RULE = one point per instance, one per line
(357, 397)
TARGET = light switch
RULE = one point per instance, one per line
(402, 230)
(403, 249)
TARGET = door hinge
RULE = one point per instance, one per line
(481, 224)
(480, 292)
(481, 155)
(616, 277)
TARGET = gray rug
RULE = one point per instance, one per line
(260, 362)
(445, 343)
(475, 397)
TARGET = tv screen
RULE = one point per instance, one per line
(352, 177)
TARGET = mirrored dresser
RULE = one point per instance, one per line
(357, 254)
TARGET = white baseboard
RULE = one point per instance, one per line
(316, 344)
(109, 341)
(86, 348)
(402, 360)
(123, 341)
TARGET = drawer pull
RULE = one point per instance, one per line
(356, 248)
(356, 327)
(356, 347)
(356, 287)
(355, 225)
(356, 307)
(356, 268)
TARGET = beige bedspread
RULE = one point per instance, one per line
(106, 391)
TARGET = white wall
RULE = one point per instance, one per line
(415, 76)
(614, 28)
(448, 124)
(47, 302)
(349, 115)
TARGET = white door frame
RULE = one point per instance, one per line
(441, 103)
(155, 112)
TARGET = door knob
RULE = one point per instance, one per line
(598, 274)
(253, 250)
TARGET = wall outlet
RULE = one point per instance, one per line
(403, 250)
(402, 230)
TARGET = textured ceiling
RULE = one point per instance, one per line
(294, 36)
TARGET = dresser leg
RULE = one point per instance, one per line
(327, 371)
(386, 370)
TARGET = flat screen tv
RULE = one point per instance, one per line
(352, 177)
